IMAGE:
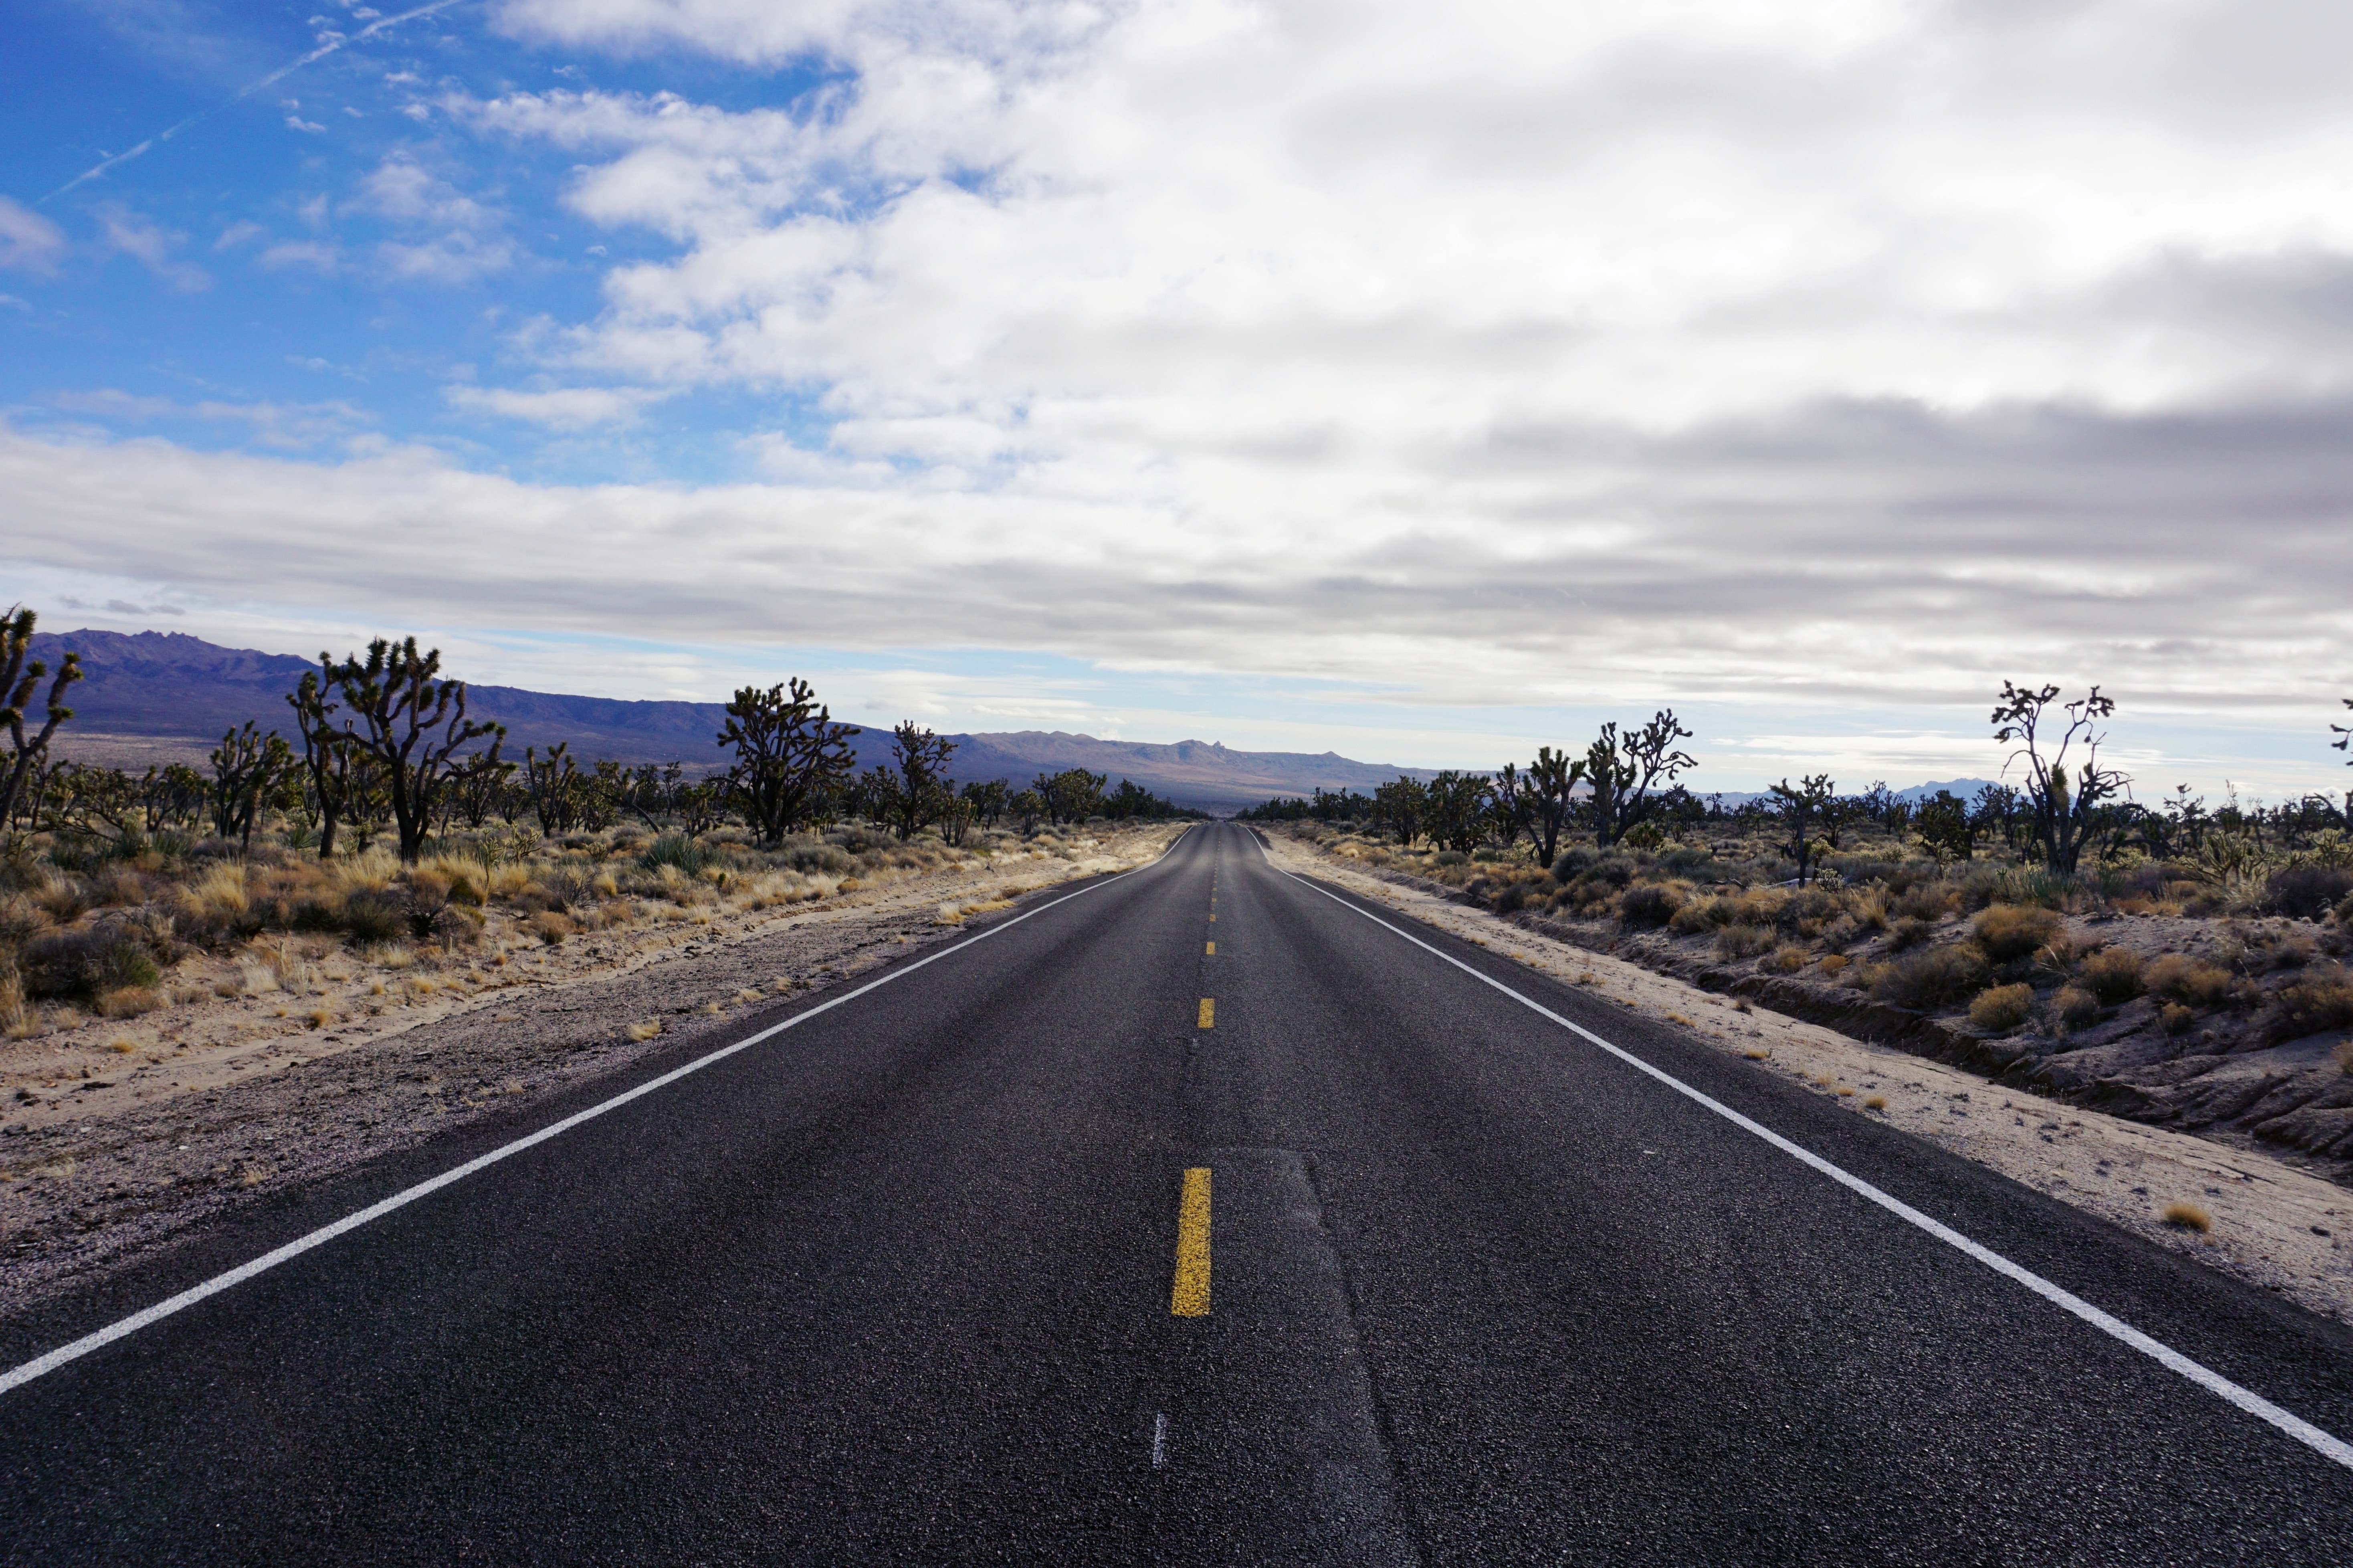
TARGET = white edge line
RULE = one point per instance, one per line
(2253, 1403)
(16, 1376)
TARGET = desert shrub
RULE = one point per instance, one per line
(21, 918)
(1834, 964)
(2185, 978)
(1857, 870)
(2009, 931)
(1451, 857)
(1925, 901)
(2114, 975)
(688, 854)
(1932, 978)
(64, 898)
(323, 910)
(87, 963)
(2320, 999)
(1651, 905)
(128, 1002)
(1868, 908)
(2074, 1007)
(831, 861)
(1702, 915)
(1510, 897)
(1684, 857)
(2175, 1019)
(550, 927)
(373, 919)
(2001, 1008)
(1614, 871)
(1737, 942)
(2306, 891)
(1788, 959)
(1908, 934)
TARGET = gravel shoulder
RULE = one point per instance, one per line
(247, 1095)
(2276, 1226)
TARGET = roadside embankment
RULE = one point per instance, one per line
(2264, 1220)
(298, 1059)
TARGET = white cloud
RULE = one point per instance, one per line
(151, 245)
(562, 408)
(453, 239)
(28, 242)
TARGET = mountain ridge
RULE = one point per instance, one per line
(171, 687)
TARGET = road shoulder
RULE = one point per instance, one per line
(2270, 1225)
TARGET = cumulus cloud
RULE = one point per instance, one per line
(1694, 351)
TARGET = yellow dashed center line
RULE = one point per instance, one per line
(1209, 1012)
(1190, 1295)
(1213, 948)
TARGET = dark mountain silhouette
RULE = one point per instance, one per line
(168, 686)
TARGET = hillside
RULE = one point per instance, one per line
(156, 693)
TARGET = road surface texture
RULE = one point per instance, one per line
(924, 1278)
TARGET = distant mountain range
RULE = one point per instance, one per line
(184, 693)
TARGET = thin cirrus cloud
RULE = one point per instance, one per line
(1818, 354)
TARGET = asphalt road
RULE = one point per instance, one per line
(895, 1284)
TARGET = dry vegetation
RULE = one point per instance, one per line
(187, 1024)
(2210, 994)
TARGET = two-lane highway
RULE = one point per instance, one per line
(1202, 1215)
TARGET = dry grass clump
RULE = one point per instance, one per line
(2189, 1217)
(1737, 942)
(2074, 1007)
(2319, 999)
(2112, 974)
(2010, 931)
(2001, 1008)
(1931, 977)
(130, 1001)
(2188, 980)
(1788, 959)
(645, 1031)
(1876, 1102)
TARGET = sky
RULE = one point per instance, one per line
(1422, 383)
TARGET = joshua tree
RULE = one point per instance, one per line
(1801, 808)
(20, 676)
(326, 752)
(1458, 809)
(1945, 829)
(2062, 809)
(1624, 768)
(245, 764)
(1404, 804)
(1545, 792)
(789, 756)
(987, 801)
(555, 787)
(414, 723)
(921, 793)
(1071, 796)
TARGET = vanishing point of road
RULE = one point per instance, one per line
(1199, 1215)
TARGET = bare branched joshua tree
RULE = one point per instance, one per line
(2059, 806)
(1803, 806)
(20, 677)
(327, 752)
(789, 756)
(245, 764)
(1625, 768)
(920, 794)
(1545, 792)
(410, 724)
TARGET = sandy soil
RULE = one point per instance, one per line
(2273, 1225)
(122, 1136)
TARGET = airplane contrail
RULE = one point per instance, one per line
(378, 25)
